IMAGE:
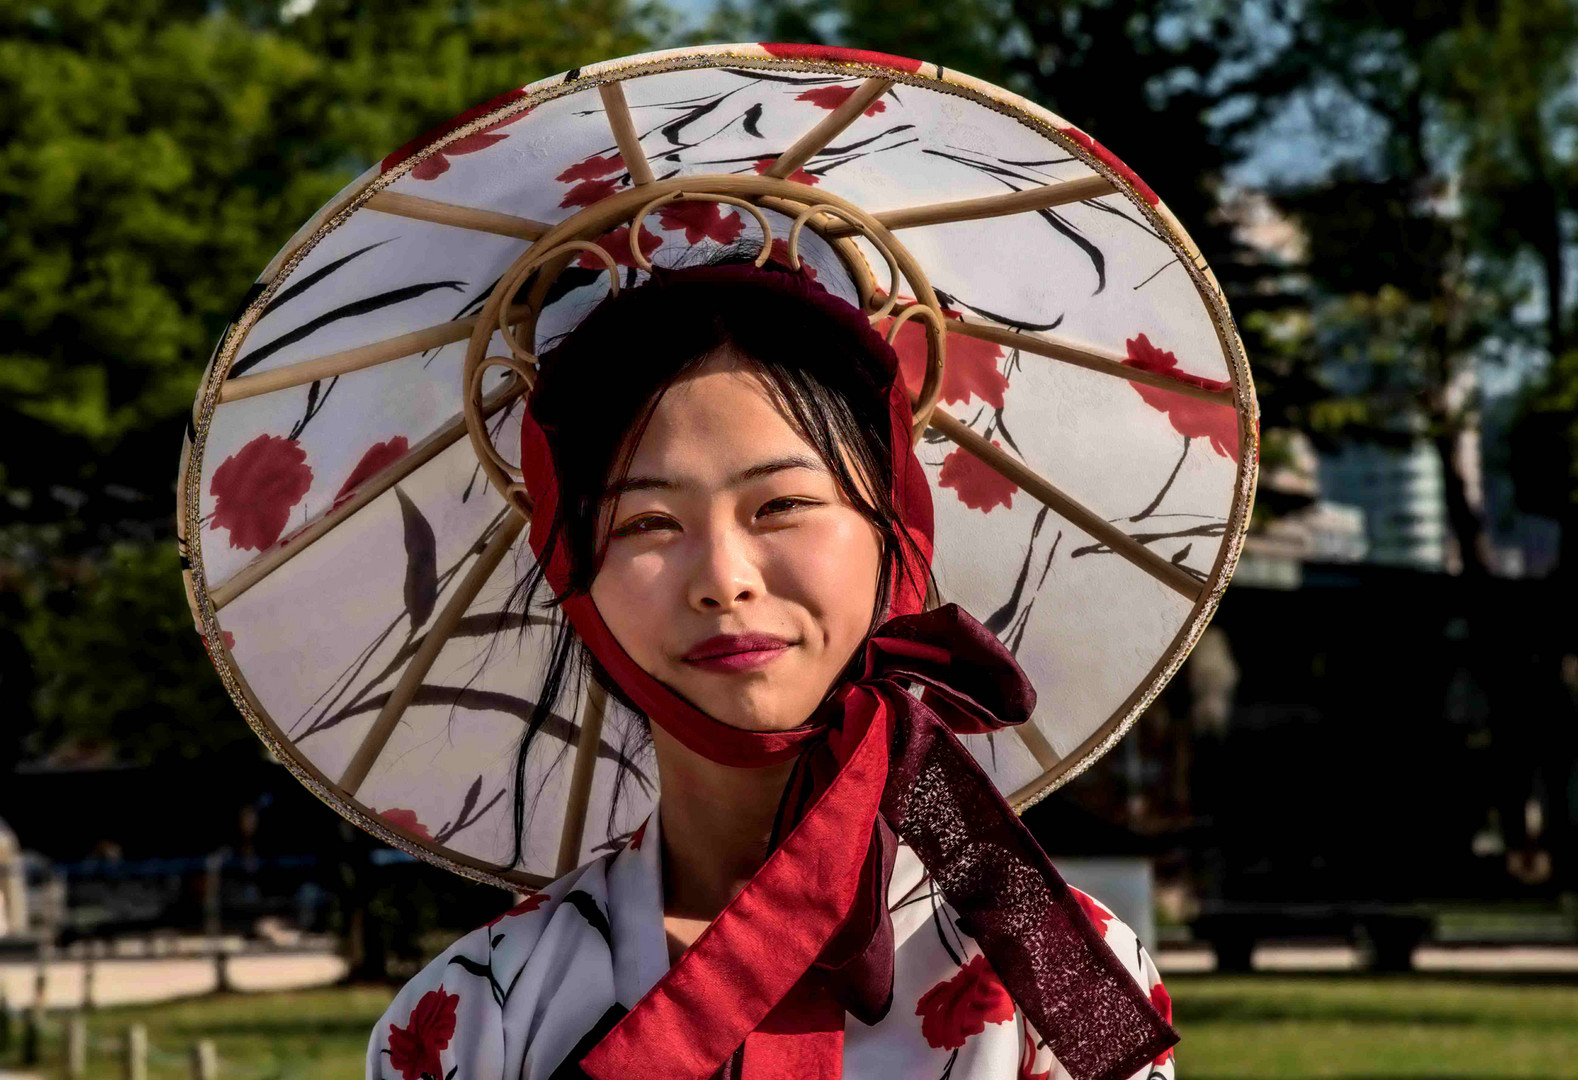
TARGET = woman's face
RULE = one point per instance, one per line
(729, 524)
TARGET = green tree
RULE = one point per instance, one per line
(1419, 237)
(153, 158)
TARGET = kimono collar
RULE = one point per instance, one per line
(809, 938)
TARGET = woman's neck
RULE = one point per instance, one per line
(715, 823)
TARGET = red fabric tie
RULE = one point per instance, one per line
(809, 937)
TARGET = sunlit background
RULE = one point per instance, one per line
(1346, 829)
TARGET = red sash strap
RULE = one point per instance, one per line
(815, 917)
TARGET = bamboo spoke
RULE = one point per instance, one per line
(1077, 514)
(1015, 202)
(586, 747)
(363, 356)
(1085, 356)
(1036, 743)
(433, 643)
(375, 485)
(624, 126)
(834, 122)
(462, 217)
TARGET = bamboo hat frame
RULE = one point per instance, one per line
(838, 221)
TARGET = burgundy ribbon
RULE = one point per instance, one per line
(810, 936)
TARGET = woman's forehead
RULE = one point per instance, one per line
(711, 421)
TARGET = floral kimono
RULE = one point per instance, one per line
(534, 990)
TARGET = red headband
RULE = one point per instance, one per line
(809, 937)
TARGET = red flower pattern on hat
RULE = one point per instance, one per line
(780, 254)
(1107, 157)
(1190, 416)
(831, 97)
(617, 243)
(588, 192)
(413, 1049)
(592, 168)
(701, 219)
(799, 176)
(525, 907)
(962, 1006)
(980, 486)
(230, 642)
(437, 165)
(1099, 916)
(796, 51)
(255, 488)
(374, 460)
(970, 365)
(407, 820)
(1164, 1005)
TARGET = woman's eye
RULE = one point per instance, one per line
(653, 524)
(788, 502)
(640, 525)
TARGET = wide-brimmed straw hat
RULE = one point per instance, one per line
(349, 487)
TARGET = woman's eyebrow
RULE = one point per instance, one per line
(764, 468)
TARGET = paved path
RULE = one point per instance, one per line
(135, 981)
(124, 981)
(1512, 959)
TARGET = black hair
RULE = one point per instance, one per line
(622, 356)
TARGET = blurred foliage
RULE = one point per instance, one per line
(154, 155)
(118, 669)
(1437, 229)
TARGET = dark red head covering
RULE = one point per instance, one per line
(809, 937)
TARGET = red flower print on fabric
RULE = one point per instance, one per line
(701, 219)
(831, 97)
(962, 1006)
(1107, 157)
(1027, 1060)
(1164, 1005)
(438, 164)
(413, 1049)
(407, 820)
(525, 907)
(256, 487)
(1190, 416)
(1099, 916)
(980, 486)
(592, 168)
(376, 459)
(796, 51)
(969, 367)
(799, 176)
(617, 243)
(588, 191)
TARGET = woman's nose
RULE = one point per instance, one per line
(724, 573)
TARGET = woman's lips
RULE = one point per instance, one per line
(741, 661)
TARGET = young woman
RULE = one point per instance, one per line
(723, 500)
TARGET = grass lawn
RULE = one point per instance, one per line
(1269, 1027)
(1363, 1027)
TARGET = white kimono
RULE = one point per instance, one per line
(520, 997)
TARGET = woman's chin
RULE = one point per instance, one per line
(747, 715)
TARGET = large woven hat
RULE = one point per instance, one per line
(349, 507)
